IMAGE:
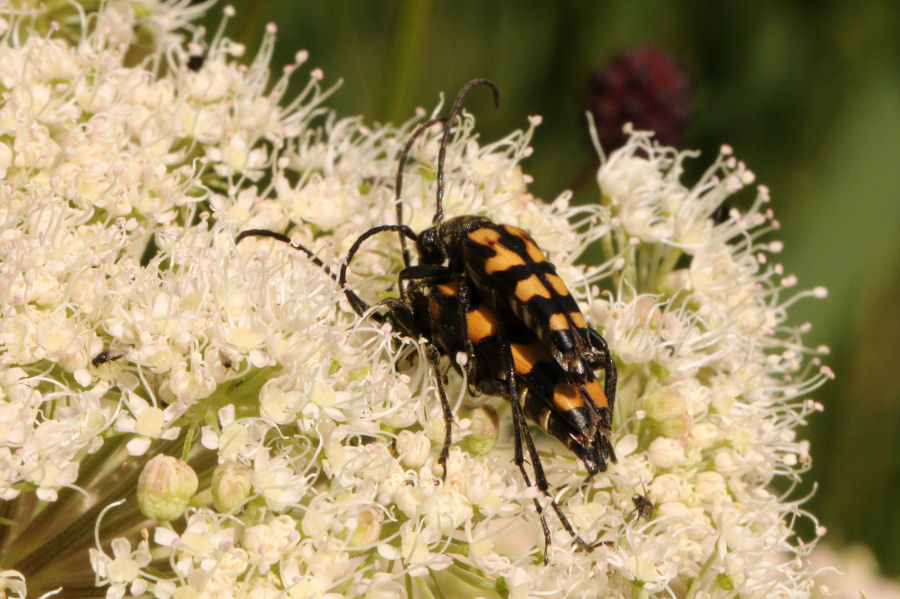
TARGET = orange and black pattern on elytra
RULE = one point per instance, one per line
(584, 403)
(478, 331)
(513, 272)
(481, 322)
(577, 414)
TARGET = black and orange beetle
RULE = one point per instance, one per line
(487, 291)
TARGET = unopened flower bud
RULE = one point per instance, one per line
(413, 448)
(185, 592)
(231, 486)
(667, 413)
(368, 527)
(165, 487)
(666, 453)
(484, 429)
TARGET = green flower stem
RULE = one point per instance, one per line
(630, 270)
(54, 515)
(409, 588)
(437, 586)
(468, 574)
(667, 266)
(610, 244)
(696, 582)
(424, 588)
(80, 531)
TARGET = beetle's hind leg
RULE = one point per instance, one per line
(608, 365)
(434, 357)
(439, 275)
(521, 431)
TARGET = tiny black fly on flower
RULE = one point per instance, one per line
(107, 355)
(642, 506)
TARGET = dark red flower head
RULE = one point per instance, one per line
(643, 86)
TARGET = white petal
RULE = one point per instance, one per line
(138, 445)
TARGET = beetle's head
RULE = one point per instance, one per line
(431, 250)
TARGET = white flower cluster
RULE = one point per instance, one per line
(132, 325)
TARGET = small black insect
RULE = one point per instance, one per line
(195, 62)
(721, 213)
(643, 506)
(226, 361)
(107, 355)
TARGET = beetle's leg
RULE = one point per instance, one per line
(520, 430)
(419, 272)
(444, 274)
(359, 306)
(609, 367)
(424, 271)
(435, 358)
(464, 305)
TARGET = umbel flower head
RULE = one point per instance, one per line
(132, 326)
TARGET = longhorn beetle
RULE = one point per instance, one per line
(587, 407)
(448, 311)
(513, 274)
(511, 270)
(526, 374)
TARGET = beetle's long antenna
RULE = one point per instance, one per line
(402, 229)
(359, 306)
(398, 186)
(439, 212)
(285, 239)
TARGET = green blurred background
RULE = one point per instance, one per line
(807, 93)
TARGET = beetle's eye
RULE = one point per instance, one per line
(429, 248)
